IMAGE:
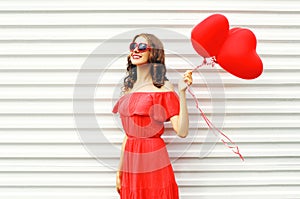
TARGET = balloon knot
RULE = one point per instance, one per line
(210, 61)
(206, 62)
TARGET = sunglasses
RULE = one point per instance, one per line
(141, 46)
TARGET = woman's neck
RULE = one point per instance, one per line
(143, 74)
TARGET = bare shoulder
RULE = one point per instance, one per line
(168, 86)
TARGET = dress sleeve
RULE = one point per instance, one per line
(167, 105)
(116, 107)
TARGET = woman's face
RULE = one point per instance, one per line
(139, 57)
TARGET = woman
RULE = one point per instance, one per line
(149, 100)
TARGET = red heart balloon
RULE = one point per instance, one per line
(238, 54)
(208, 36)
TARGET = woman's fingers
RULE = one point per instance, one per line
(187, 77)
(187, 80)
(118, 187)
(118, 181)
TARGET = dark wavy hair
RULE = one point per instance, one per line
(156, 61)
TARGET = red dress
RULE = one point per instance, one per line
(147, 171)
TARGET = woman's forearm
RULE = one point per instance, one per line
(181, 122)
(183, 119)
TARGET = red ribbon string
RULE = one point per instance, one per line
(224, 138)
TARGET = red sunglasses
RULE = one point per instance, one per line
(141, 46)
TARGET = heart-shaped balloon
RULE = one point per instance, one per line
(238, 54)
(208, 36)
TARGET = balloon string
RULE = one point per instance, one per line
(226, 140)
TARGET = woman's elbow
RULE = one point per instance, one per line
(182, 134)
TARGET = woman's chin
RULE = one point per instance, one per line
(138, 63)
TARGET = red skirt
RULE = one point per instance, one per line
(147, 171)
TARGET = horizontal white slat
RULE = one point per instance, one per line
(184, 179)
(87, 48)
(250, 164)
(248, 150)
(110, 193)
(193, 192)
(58, 192)
(196, 135)
(217, 178)
(106, 121)
(49, 48)
(104, 107)
(229, 5)
(177, 19)
(115, 77)
(187, 167)
(34, 35)
(179, 165)
(54, 179)
(103, 92)
(247, 192)
(75, 63)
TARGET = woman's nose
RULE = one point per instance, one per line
(136, 49)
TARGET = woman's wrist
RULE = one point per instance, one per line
(182, 92)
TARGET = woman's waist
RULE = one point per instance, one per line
(143, 133)
(144, 144)
(153, 138)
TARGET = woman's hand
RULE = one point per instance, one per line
(118, 181)
(187, 80)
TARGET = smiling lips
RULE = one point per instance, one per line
(136, 56)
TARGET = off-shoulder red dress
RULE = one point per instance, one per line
(147, 171)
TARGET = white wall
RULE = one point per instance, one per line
(45, 43)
